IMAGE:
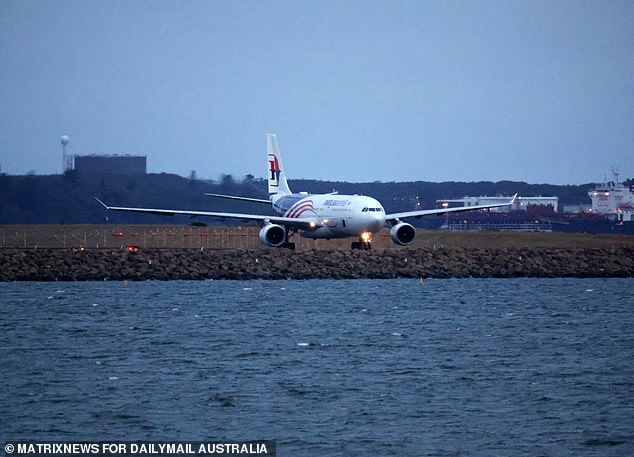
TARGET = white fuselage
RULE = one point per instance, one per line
(342, 216)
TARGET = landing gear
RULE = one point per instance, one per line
(288, 244)
(364, 243)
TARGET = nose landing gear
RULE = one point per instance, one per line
(364, 243)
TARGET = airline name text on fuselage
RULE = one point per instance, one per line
(336, 202)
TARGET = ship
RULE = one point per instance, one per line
(612, 210)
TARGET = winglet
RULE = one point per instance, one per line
(104, 205)
(513, 199)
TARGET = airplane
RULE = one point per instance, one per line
(315, 216)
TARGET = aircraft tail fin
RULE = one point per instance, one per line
(277, 176)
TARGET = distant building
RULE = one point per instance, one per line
(520, 204)
(111, 165)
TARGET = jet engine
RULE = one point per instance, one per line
(403, 233)
(273, 235)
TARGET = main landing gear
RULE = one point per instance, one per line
(288, 244)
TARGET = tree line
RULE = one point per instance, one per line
(69, 198)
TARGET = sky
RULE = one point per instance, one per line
(359, 91)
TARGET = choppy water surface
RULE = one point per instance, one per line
(391, 367)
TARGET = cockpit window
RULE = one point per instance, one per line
(364, 210)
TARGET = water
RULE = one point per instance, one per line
(369, 367)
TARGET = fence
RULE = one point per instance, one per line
(509, 227)
(162, 237)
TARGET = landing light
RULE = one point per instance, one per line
(365, 236)
(312, 224)
(445, 205)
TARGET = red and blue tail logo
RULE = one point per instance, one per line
(277, 177)
(274, 169)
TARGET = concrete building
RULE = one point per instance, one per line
(110, 165)
(521, 203)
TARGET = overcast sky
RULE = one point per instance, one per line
(536, 91)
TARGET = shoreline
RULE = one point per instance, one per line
(50, 264)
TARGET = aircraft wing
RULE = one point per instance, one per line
(303, 223)
(245, 199)
(428, 212)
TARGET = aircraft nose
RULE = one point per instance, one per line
(378, 220)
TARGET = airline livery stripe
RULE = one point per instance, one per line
(295, 206)
(296, 216)
(299, 208)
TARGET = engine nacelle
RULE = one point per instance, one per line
(273, 235)
(403, 233)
